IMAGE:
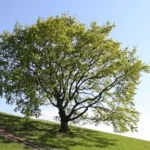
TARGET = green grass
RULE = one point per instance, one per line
(45, 135)
(6, 144)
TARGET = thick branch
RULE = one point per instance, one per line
(96, 98)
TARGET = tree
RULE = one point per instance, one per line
(79, 70)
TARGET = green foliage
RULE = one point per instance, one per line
(61, 62)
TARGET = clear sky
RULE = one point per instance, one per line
(132, 19)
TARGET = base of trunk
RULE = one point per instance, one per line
(64, 131)
(64, 128)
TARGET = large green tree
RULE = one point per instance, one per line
(79, 70)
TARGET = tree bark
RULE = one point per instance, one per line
(64, 122)
(64, 127)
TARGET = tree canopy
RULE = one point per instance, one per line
(80, 70)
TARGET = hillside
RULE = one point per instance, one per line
(44, 135)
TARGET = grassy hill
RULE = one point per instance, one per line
(10, 145)
(44, 134)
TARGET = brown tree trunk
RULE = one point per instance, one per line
(64, 127)
(64, 122)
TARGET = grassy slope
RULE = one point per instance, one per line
(44, 134)
(10, 145)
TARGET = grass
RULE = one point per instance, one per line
(45, 135)
(6, 144)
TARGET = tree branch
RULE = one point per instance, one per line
(96, 98)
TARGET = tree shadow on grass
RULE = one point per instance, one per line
(9, 122)
(45, 134)
(79, 138)
(4, 140)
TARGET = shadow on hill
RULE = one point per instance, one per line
(3, 140)
(6, 141)
(45, 134)
(79, 139)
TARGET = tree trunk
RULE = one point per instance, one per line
(64, 122)
(64, 127)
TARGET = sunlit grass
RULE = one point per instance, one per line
(44, 134)
(6, 144)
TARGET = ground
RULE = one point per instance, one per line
(44, 135)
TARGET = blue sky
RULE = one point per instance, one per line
(132, 28)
